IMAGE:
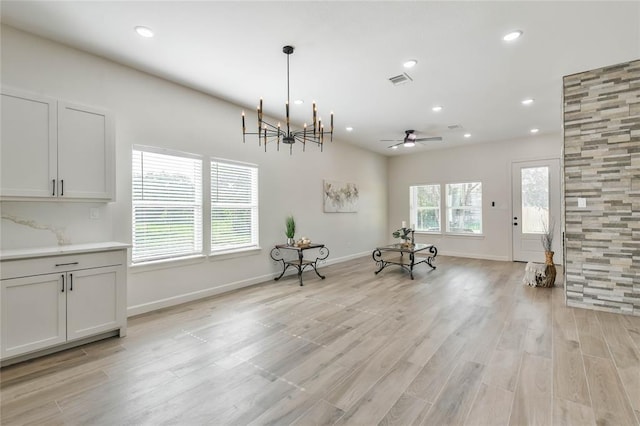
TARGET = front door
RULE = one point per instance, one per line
(536, 208)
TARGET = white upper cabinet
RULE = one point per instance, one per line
(29, 150)
(55, 149)
(85, 152)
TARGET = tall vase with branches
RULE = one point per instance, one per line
(547, 243)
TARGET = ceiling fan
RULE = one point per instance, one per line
(410, 140)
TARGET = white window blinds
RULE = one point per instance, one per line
(234, 206)
(167, 205)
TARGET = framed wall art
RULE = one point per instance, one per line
(340, 197)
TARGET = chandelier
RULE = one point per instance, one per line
(268, 133)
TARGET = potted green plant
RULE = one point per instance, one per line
(290, 230)
(405, 234)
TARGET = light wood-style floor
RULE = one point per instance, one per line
(467, 343)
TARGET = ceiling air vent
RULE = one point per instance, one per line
(454, 127)
(400, 79)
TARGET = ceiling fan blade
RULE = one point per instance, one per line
(390, 140)
(434, 138)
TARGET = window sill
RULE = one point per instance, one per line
(234, 253)
(165, 263)
(463, 235)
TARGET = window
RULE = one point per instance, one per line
(234, 206)
(425, 207)
(535, 199)
(166, 204)
(464, 207)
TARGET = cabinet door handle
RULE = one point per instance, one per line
(70, 282)
(53, 191)
(62, 276)
(66, 264)
(61, 187)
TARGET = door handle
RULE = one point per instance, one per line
(70, 282)
(62, 290)
(53, 191)
(61, 187)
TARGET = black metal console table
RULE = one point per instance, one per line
(405, 255)
(300, 263)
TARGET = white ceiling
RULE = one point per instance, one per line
(346, 52)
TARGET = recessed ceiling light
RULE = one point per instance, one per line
(349, 129)
(298, 102)
(467, 135)
(534, 130)
(436, 108)
(527, 101)
(512, 35)
(144, 32)
(394, 147)
(410, 63)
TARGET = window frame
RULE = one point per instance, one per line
(447, 208)
(198, 206)
(444, 209)
(414, 208)
(253, 206)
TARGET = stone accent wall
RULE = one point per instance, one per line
(602, 165)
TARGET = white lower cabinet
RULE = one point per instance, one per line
(84, 296)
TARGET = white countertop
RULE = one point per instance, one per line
(59, 250)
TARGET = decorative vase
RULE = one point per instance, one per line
(291, 241)
(550, 270)
(548, 258)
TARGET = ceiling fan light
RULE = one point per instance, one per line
(409, 144)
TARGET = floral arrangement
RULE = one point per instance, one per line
(403, 233)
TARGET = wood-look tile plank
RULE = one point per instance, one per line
(590, 335)
(352, 388)
(372, 407)
(502, 370)
(569, 413)
(406, 410)
(433, 376)
(632, 325)
(608, 398)
(492, 406)
(625, 355)
(454, 402)
(320, 414)
(532, 400)
(35, 400)
(569, 380)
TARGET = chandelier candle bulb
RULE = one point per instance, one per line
(315, 110)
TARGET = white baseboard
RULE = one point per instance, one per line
(208, 292)
(474, 256)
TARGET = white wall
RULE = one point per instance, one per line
(489, 163)
(152, 111)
